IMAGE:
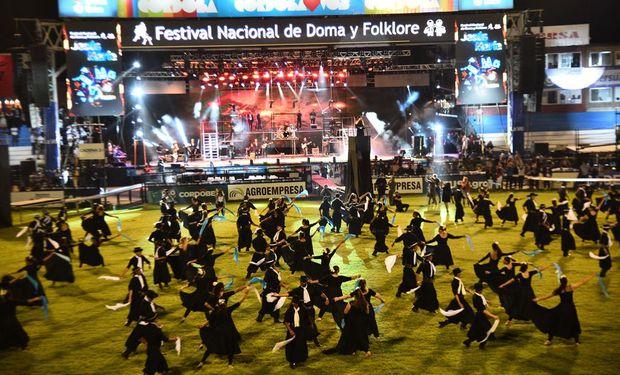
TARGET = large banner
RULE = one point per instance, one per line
(480, 59)
(6, 76)
(265, 190)
(91, 151)
(223, 33)
(264, 8)
(183, 194)
(406, 185)
(94, 68)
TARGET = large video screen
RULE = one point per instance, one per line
(94, 69)
(264, 8)
(480, 59)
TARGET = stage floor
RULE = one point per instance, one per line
(270, 160)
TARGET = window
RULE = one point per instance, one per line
(550, 97)
(570, 96)
(552, 60)
(601, 95)
(617, 93)
(570, 60)
(600, 58)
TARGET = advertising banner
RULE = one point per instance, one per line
(265, 190)
(273, 32)
(183, 194)
(264, 8)
(91, 151)
(567, 35)
(480, 59)
(407, 185)
(6, 76)
(94, 68)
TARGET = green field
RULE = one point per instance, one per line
(82, 337)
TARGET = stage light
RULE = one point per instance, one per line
(255, 76)
(240, 65)
(139, 133)
(314, 75)
(217, 86)
(230, 85)
(197, 109)
(137, 92)
(242, 84)
(181, 130)
(245, 76)
(137, 65)
(231, 78)
(213, 105)
(137, 107)
(345, 84)
(202, 87)
(341, 75)
(221, 78)
(139, 119)
(280, 74)
(225, 73)
(266, 75)
(290, 74)
(438, 60)
(138, 78)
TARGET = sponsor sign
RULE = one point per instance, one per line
(406, 185)
(6, 76)
(611, 77)
(477, 180)
(264, 8)
(567, 35)
(480, 59)
(20, 196)
(94, 68)
(183, 194)
(265, 190)
(234, 32)
(91, 151)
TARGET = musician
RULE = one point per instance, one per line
(259, 124)
(313, 119)
(333, 130)
(231, 150)
(175, 151)
(252, 148)
(286, 133)
(192, 149)
(161, 151)
(250, 120)
(299, 119)
(306, 145)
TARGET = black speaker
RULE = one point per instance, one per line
(38, 67)
(358, 165)
(532, 65)
(541, 148)
(176, 168)
(26, 168)
(5, 188)
(418, 145)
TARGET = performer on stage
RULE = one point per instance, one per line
(334, 283)
(354, 335)
(416, 225)
(380, 228)
(587, 228)
(296, 322)
(272, 286)
(161, 274)
(367, 293)
(397, 200)
(483, 208)
(90, 254)
(524, 307)
(487, 272)
(542, 235)
(446, 196)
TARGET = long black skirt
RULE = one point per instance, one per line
(12, 335)
(90, 255)
(161, 274)
(408, 282)
(464, 317)
(221, 340)
(297, 350)
(479, 327)
(58, 269)
(155, 362)
(426, 297)
(568, 241)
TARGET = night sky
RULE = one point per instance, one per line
(606, 28)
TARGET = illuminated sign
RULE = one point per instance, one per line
(265, 8)
(567, 35)
(314, 31)
(93, 69)
(480, 60)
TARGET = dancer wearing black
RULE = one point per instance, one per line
(135, 294)
(220, 335)
(334, 289)
(271, 287)
(587, 228)
(416, 225)
(337, 207)
(155, 360)
(464, 317)
(524, 306)
(12, 334)
(296, 322)
(509, 211)
(441, 252)
(380, 228)
(354, 335)
(371, 325)
(426, 295)
(531, 220)
(568, 241)
(410, 259)
(459, 198)
(562, 320)
(479, 330)
(542, 234)
(161, 274)
(483, 208)
(603, 252)
(90, 254)
(487, 272)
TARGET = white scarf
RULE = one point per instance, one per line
(306, 294)
(141, 281)
(484, 300)
(277, 273)
(461, 289)
(296, 317)
(276, 236)
(139, 263)
(433, 269)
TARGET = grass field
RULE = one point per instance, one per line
(82, 337)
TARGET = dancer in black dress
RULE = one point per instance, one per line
(509, 294)
(426, 295)
(355, 220)
(260, 245)
(410, 259)
(446, 196)
(603, 252)
(161, 274)
(509, 211)
(587, 228)
(416, 225)
(531, 221)
(337, 208)
(354, 336)
(334, 289)
(220, 335)
(58, 267)
(459, 291)
(441, 252)
(155, 360)
(380, 228)
(135, 294)
(459, 198)
(272, 286)
(524, 305)
(12, 334)
(542, 234)
(562, 320)
(487, 272)
(244, 229)
(305, 228)
(317, 271)
(371, 325)
(481, 325)
(90, 254)
(568, 241)
(397, 200)
(296, 322)
(483, 208)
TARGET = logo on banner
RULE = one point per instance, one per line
(265, 6)
(140, 32)
(177, 6)
(434, 28)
